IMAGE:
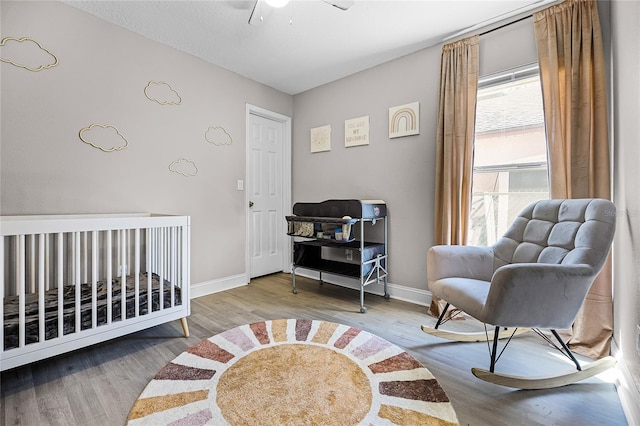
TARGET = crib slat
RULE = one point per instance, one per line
(16, 265)
(109, 275)
(131, 251)
(72, 272)
(41, 290)
(154, 248)
(21, 290)
(85, 258)
(118, 245)
(59, 254)
(137, 271)
(47, 263)
(161, 268)
(181, 260)
(165, 251)
(149, 248)
(78, 304)
(32, 264)
(94, 279)
(123, 275)
(178, 273)
(125, 253)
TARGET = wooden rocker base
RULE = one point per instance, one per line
(478, 336)
(549, 382)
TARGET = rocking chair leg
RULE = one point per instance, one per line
(496, 337)
(566, 350)
(441, 317)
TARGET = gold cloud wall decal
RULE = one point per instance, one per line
(184, 167)
(218, 136)
(162, 93)
(26, 53)
(104, 137)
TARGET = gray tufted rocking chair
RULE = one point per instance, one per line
(536, 276)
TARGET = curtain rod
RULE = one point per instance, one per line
(529, 10)
(505, 25)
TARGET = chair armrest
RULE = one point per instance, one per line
(459, 261)
(537, 295)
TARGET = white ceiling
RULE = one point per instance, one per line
(321, 44)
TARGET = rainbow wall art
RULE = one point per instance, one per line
(404, 120)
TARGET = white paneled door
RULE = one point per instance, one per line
(265, 194)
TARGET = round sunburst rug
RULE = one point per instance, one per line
(293, 372)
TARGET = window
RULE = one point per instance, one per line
(510, 152)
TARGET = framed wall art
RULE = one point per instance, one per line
(404, 120)
(321, 139)
(356, 131)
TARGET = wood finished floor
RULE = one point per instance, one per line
(98, 385)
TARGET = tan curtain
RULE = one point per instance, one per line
(572, 72)
(454, 143)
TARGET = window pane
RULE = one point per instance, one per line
(510, 158)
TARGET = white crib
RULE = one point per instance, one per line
(70, 281)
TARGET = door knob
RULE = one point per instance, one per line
(250, 204)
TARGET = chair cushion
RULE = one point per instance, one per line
(467, 294)
(563, 234)
(560, 232)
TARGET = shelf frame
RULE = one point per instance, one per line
(378, 273)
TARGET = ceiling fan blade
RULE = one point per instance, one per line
(260, 11)
(341, 4)
(254, 18)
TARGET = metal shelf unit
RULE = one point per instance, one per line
(350, 257)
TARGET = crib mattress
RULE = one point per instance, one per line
(11, 309)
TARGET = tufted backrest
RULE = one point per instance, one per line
(578, 231)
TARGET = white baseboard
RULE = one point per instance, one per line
(398, 292)
(628, 393)
(215, 286)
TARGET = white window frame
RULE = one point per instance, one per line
(496, 79)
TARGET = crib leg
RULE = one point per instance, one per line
(185, 326)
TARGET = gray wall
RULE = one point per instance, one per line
(102, 72)
(508, 47)
(625, 32)
(400, 171)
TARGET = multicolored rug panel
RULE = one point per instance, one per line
(293, 372)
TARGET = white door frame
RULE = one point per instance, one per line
(286, 182)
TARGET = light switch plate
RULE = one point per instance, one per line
(240, 185)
